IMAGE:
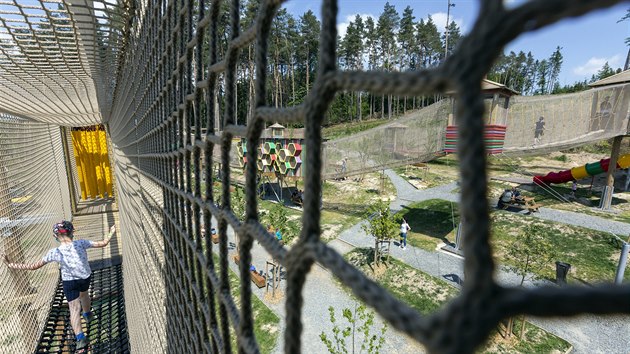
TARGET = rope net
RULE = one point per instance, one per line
(569, 120)
(33, 195)
(57, 58)
(416, 137)
(175, 105)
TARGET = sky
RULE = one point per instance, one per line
(587, 42)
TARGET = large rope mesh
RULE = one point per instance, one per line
(166, 86)
(416, 137)
(570, 120)
(33, 195)
(175, 88)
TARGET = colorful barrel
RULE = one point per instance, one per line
(594, 168)
(624, 161)
(578, 172)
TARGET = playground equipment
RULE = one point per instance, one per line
(577, 173)
(493, 137)
(277, 155)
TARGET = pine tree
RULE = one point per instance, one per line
(309, 28)
(604, 72)
(386, 29)
(454, 37)
(371, 47)
(407, 40)
(555, 64)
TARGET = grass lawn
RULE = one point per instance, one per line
(432, 222)
(440, 171)
(346, 129)
(593, 254)
(345, 202)
(266, 323)
(427, 294)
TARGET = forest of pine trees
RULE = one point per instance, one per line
(392, 42)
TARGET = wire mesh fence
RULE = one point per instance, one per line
(174, 104)
(33, 195)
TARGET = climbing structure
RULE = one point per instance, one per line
(280, 156)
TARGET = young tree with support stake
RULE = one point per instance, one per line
(382, 224)
(529, 253)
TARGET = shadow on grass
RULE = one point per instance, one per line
(346, 209)
(436, 219)
(367, 254)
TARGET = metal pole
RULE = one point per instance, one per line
(448, 13)
(623, 260)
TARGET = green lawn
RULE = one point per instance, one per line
(438, 172)
(346, 129)
(432, 221)
(427, 294)
(592, 254)
(266, 323)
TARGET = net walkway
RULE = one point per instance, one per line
(108, 331)
(161, 75)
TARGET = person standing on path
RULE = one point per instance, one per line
(75, 274)
(404, 228)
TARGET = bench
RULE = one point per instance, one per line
(258, 279)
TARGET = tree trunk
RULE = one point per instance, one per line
(371, 106)
(308, 69)
(252, 89)
(292, 80)
(382, 106)
(360, 111)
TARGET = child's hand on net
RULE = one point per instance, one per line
(111, 232)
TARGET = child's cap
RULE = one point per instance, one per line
(63, 227)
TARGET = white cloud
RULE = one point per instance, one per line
(439, 18)
(594, 64)
(343, 26)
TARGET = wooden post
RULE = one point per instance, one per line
(610, 178)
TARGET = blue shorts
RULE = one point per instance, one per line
(72, 288)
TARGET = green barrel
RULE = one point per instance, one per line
(594, 168)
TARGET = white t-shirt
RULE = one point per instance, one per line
(72, 258)
(404, 227)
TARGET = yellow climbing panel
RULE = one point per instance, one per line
(93, 168)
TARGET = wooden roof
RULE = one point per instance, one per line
(620, 78)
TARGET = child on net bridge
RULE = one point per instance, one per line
(75, 273)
